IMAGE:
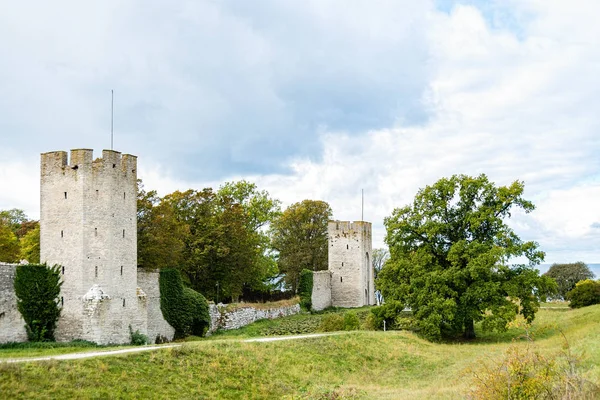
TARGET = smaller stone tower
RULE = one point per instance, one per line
(88, 227)
(350, 248)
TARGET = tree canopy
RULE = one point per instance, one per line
(19, 237)
(219, 241)
(567, 275)
(300, 238)
(449, 258)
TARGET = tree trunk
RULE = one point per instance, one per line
(469, 332)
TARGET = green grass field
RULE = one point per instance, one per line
(356, 365)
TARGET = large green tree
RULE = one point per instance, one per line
(567, 275)
(260, 211)
(300, 238)
(221, 254)
(160, 235)
(450, 255)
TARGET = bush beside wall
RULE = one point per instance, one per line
(183, 308)
(37, 288)
(305, 288)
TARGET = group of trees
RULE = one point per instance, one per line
(231, 241)
(19, 237)
(451, 256)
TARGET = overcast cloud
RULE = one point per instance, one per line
(317, 99)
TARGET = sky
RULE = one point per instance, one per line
(317, 99)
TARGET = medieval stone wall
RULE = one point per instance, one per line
(350, 248)
(157, 325)
(321, 294)
(222, 317)
(12, 325)
(88, 226)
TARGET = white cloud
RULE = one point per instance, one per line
(514, 105)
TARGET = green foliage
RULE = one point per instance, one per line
(30, 246)
(585, 293)
(137, 338)
(332, 323)
(305, 287)
(351, 321)
(300, 237)
(160, 236)
(9, 244)
(525, 373)
(183, 308)
(390, 312)
(567, 275)
(449, 254)
(37, 288)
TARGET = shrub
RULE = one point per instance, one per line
(389, 312)
(351, 321)
(199, 306)
(585, 293)
(332, 323)
(183, 308)
(137, 338)
(526, 374)
(37, 288)
(305, 287)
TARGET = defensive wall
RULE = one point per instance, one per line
(12, 325)
(225, 317)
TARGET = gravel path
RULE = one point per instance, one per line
(90, 354)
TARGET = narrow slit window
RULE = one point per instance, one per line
(114, 165)
(121, 270)
(123, 195)
(63, 270)
(123, 232)
(96, 271)
(62, 301)
(347, 247)
(341, 279)
(123, 302)
(342, 264)
(95, 231)
(62, 234)
(65, 195)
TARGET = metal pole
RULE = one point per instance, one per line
(362, 207)
(112, 107)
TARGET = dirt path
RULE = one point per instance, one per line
(90, 354)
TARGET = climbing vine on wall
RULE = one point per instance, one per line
(183, 308)
(37, 288)
(305, 287)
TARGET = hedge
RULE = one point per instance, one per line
(305, 287)
(183, 308)
(37, 288)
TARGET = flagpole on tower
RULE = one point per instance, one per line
(112, 107)
(362, 206)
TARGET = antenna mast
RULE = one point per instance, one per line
(362, 207)
(112, 103)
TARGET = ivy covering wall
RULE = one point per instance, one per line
(184, 309)
(305, 287)
(37, 288)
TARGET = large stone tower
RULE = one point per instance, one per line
(88, 227)
(350, 248)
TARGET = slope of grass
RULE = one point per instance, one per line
(370, 365)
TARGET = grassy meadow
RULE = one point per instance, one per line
(352, 365)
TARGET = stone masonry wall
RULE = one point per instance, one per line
(157, 325)
(12, 325)
(88, 226)
(321, 294)
(220, 318)
(349, 263)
